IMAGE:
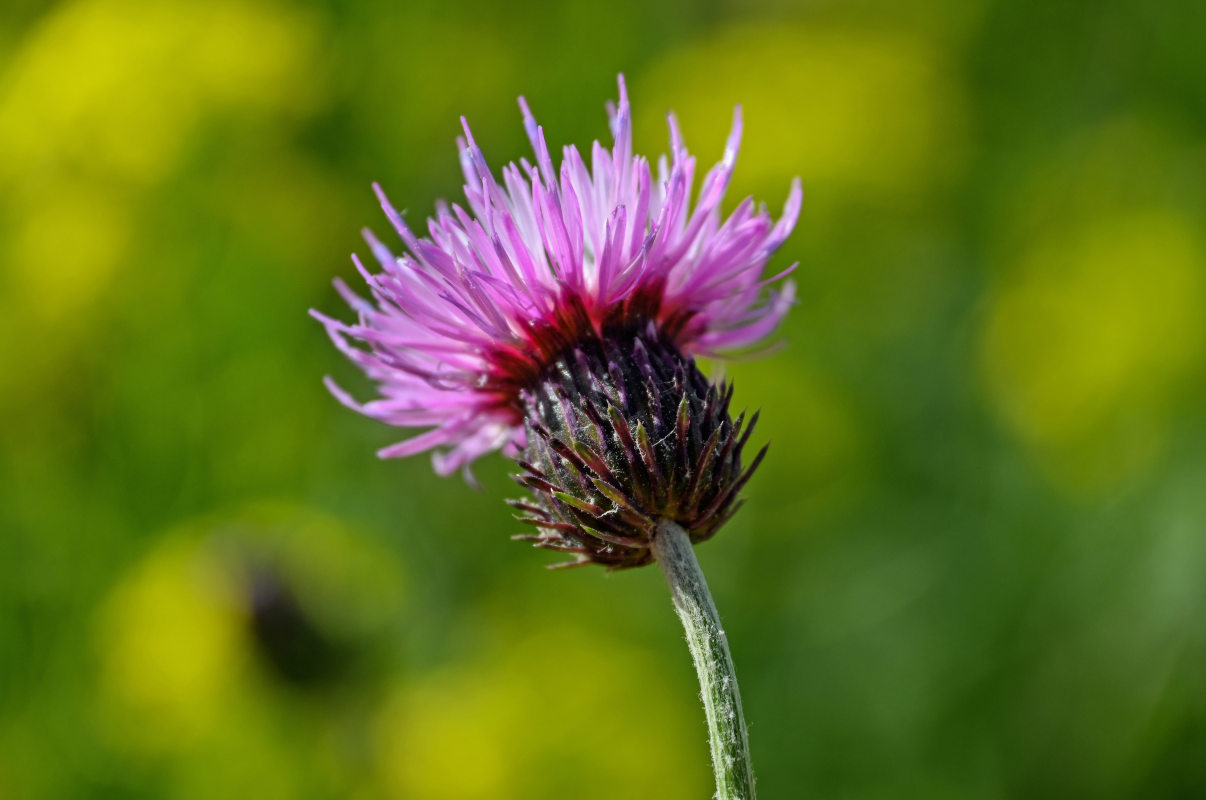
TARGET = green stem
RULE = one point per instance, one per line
(713, 663)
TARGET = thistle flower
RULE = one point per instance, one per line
(557, 319)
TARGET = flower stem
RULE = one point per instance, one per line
(713, 664)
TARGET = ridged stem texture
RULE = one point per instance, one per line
(709, 647)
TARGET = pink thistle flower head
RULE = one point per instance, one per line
(544, 272)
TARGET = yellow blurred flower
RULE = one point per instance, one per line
(207, 645)
(115, 86)
(853, 112)
(98, 104)
(554, 714)
(1088, 340)
(1095, 322)
(54, 280)
(172, 646)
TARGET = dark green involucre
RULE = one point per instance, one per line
(624, 431)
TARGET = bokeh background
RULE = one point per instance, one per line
(973, 565)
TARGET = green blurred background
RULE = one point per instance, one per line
(973, 565)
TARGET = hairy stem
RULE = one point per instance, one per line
(713, 663)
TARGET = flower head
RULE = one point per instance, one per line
(557, 319)
(550, 256)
